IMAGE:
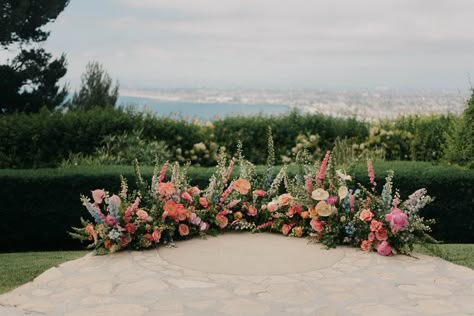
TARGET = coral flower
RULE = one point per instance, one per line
(365, 245)
(371, 237)
(324, 209)
(203, 202)
(98, 196)
(366, 215)
(187, 197)
(130, 228)
(166, 189)
(381, 234)
(108, 244)
(259, 193)
(304, 214)
(316, 225)
(182, 214)
(194, 190)
(285, 229)
(238, 216)
(252, 211)
(183, 230)
(242, 186)
(398, 220)
(375, 225)
(172, 208)
(222, 220)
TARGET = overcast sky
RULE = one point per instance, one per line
(270, 43)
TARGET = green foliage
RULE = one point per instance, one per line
(44, 203)
(122, 149)
(30, 80)
(460, 138)
(96, 89)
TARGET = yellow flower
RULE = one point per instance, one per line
(324, 209)
(342, 192)
(320, 194)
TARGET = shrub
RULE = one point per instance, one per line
(460, 138)
(41, 205)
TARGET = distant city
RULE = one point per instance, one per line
(368, 104)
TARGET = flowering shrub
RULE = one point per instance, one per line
(320, 202)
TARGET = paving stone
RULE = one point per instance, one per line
(190, 284)
(244, 307)
(111, 310)
(148, 286)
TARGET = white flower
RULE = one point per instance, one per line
(343, 175)
(320, 194)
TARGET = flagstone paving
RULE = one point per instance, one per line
(256, 274)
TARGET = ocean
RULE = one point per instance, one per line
(201, 111)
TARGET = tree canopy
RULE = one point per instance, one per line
(29, 81)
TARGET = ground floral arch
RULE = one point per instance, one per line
(319, 202)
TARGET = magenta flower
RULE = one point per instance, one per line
(384, 249)
(398, 220)
(331, 200)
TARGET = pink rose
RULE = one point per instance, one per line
(252, 211)
(203, 202)
(366, 215)
(142, 215)
(187, 197)
(98, 195)
(381, 234)
(365, 246)
(384, 249)
(375, 225)
(286, 229)
(331, 200)
(316, 225)
(398, 220)
(371, 237)
(204, 226)
(114, 201)
(183, 230)
(194, 190)
(130, 228)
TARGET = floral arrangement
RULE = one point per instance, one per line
(320, 202)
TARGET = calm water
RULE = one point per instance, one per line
(202, 111)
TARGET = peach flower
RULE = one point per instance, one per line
(156, 236)
(222, 220)
(313, 212)
(320, 194)
(238, 216)
(259, 193)
(366, 215)
(304, 214)
(172, 208)
(98, 195)
(285, 229)
(183, 230)
(187, 197)
(142, 215)
(371, 237)
(284, 199)
(252, 211)
(194, 190)
(298, 231)
(183, 214)
(272, 206)
(242, 186)
(108, 244)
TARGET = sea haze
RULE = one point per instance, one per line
(199, 110)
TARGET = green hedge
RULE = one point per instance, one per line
(39, 206)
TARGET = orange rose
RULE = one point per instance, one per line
(312, 212)
(366, 215)
(238, 216)
(183, 214)
(172, 208)
(304, 214)
(242, 186)
(203, 202)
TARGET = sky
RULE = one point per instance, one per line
(270, 43)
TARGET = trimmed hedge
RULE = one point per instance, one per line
(39, 206)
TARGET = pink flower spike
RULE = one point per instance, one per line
(98, 195)
(371, 173)
(163, 172)
(322, 170)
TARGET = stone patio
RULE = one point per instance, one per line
(247, 274)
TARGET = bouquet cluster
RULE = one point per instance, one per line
(320, 202)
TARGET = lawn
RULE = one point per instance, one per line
(22, 267)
